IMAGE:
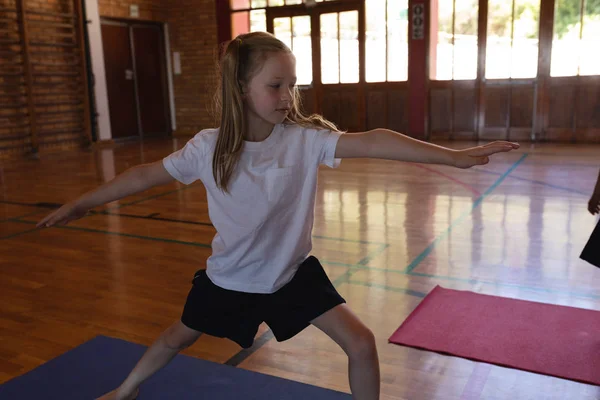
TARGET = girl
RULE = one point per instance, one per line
(260, 172)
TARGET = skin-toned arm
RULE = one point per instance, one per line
(389, 145)
(135, 180)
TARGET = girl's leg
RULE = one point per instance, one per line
(344, 327)
(175, 339)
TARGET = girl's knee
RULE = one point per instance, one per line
(363, 345)
(179, 337)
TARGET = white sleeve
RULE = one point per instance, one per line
(186, 164)
(325, 142)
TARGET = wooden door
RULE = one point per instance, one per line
(330, 58)
(151, 77)
(120, 82)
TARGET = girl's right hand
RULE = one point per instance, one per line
(67, 213)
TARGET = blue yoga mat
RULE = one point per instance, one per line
(102, 363)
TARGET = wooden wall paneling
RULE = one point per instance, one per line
(588, 103)
(349, 117)
(522, 107)
(331, 106)
(559, 124)
(562, 103)
(573, 110)
(387, 106)
(377, 108)
(587, 116)
(496, 99)
(397, 109)
(307, 97)
(464, 110)
(440, 116)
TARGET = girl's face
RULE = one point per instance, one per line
(269, 94)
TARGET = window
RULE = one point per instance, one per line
(512, 39)
(386, 43)
(454, 39)
(575, 42)
(248, 21)
(295, 33)
(339, 47)
(247, 16)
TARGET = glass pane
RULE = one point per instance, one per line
(375, 37)
(397, 46)
(275, 3)
(330, 68)
(258, 3)
(442, 63)
(302, 49)
(590, 61)
(524, 57)
(288, 2)
(349, 47)
(239, 4)
(512, 49)
(465, 39)
(240, 23)
(498, 51)
(258, 21)
(565, 43)
(592, 12)
(282, 29)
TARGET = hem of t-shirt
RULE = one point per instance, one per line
(245, 287)
(330, 146)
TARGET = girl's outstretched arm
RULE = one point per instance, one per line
(134, 180)
(390, 145)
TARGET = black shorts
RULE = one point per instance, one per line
(220, 312)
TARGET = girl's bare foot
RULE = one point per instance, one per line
(115, 395)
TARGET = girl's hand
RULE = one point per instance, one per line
(67, 213)
(479, 155)
(594, 204)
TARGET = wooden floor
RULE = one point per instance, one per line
(386, 232)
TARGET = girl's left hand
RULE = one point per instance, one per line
(479, 155)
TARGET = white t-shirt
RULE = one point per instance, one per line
(264, 225)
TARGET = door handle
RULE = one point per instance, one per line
(128, 75)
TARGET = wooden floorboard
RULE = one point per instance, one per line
(386, 232)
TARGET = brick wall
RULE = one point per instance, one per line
(56, 120)
(194, 34)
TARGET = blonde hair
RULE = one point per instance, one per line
(242, 58)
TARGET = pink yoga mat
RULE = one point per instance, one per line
(547, 339)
